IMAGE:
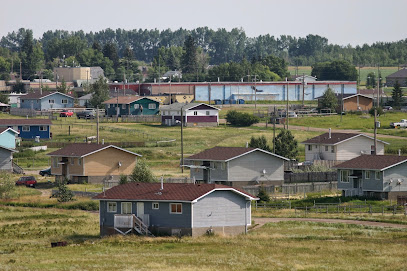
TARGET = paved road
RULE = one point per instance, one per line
(262, 221)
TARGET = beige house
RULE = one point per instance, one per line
(91, 163)
(70, 74)
(340, 146)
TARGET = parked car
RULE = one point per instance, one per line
(66, 113)
(45, 172)
(29, 181)
(86, 114)
(387, 108)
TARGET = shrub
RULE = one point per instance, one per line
(6, 186)
(379, 111)
(64, 194)
(262, 195)
(241, 119)
(123, 179)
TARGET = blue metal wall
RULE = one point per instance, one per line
(269, 91)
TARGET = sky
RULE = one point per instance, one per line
(343, 22)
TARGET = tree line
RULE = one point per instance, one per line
(120, 52)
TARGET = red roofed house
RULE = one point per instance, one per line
(380, 176)
(91, 163)
(174, 209)
(237, 166)
(340, 146)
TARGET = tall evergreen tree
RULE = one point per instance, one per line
(329, 100)
(259, 142)
(286, 145)
(397, 94)
(100, 92)
(189, 56)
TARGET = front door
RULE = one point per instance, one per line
(206, 172)
(140, 210)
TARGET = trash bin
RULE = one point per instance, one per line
(241, 101)
(37, 138)
(233, 101)
(217, 101)
(225, 101)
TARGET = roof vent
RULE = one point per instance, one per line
(329, 132)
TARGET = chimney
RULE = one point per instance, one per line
(162, 183)
(329, 133)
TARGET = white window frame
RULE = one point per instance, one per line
(136, 106)
(111, 207)
(79, 161)
(64, 101)
(326, 148)
(176, 208)
(310, 147)
(222, 165)
(25, 128)
(155, 206)
(208, 113)
(333, 149)
(123, 106)
(346, 173)
(367, 174)
(152, 106)
(377, 175)
(72, 161)
(51, 101)
(126, 203)
(43, 128)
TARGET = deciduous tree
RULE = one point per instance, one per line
(286, 145)
(100, 92)
(142, 173)
(329, 100)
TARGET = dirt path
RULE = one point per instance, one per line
(262, 221)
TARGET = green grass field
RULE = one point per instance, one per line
(27, 234)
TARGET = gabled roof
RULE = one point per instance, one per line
(180, 192)
(178, 106)
(86, 97)
(400, 73)
(336, 138)
(8, 149)
(126, 100)
(373, 162)
(10, 122)
(38, 95)
(353, 95)
(5, 129)
(84, 149)
(227, 153)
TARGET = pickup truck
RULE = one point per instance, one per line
(87, 114)
(402, 123)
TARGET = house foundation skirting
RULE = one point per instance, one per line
(201, 124)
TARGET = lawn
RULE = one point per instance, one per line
(26, 235)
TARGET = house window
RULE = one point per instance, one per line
(51, 101)
(111, 207)
(326, 148)
(72, 161)
(333, 149)
(22, 101)
(207, 113)
(64, 101)
(345, 176)
(43, 128)
(136, 106)
(123, 106)
(175, 208)
(126, 207)
(108, 106)
(222, 166)
(79, 161)
(156, 205)
(367, 174)
(310, 147)
(26, 128)
(195, 113)
(55, 162)
(111, 105)
(151, 106)
(377, 175)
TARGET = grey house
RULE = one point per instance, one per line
(400, 76)
(174, 209)
(236, 166)
(46, 100)
(380, 176)
(6, 158)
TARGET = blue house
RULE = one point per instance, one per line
(174, 209)
(46, 100)
(8, 137)
(29, 128)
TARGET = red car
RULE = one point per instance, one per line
(66, 113)
(27, 181)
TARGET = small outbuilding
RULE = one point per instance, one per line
(174, 209)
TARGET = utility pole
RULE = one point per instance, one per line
(274, 130)
(56, 80)
(117, 104)
(21, 75)
(378, 86)
(209, 92)
(87, 80)
(97, 124)
(375, 131)
(255, 91)
(170, 102)
(182, 139)
(303, 89)
(41, 81)
(342, 89)
(286, 114)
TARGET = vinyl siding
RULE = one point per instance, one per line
(6, 157)
(34, 131)
(221, 208)
(352, 148)
(372, 184)
(249, 167)
(8, 140)
(45, 105)
(396, 173)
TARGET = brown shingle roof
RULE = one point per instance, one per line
(374, 162)
(220, 153)
(125, 99)
(335, 138)
(398, 74)
(38, 95)
(3, 129)
(83, 149)
(171, 191)
(25, 122)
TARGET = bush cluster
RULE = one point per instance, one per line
(241, 119)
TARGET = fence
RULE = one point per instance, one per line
(133, 118)
(302, 177)
(54, 144)
(291, 189)
(27, 112)
(335, 208)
